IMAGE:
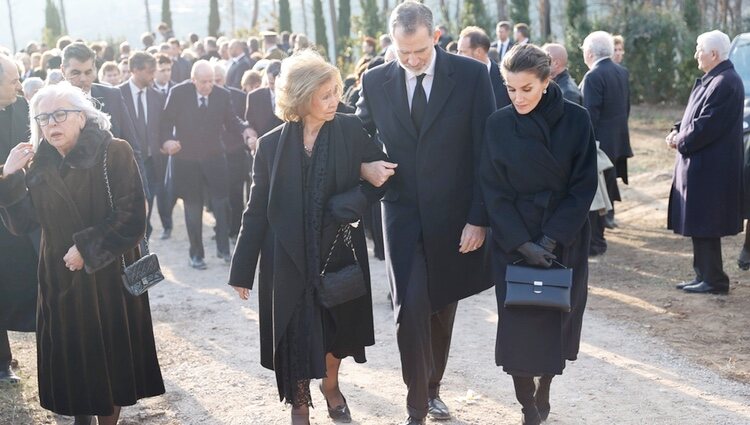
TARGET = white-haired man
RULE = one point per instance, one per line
(606, 95)
(708, 141)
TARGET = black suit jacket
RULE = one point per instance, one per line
(435, 191)
(181, 70)
(234, 142)
(259, 111)
(569, 88)
(606, 95)
(199, 132)
(170, 84)
(498, 87)
(112, 103)
(150, 136)
(496, 45)
(237, 70)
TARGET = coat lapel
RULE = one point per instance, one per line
(395, 90)
(442, 86)
(285, 198)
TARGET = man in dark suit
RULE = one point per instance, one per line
(474, 43)
(180, 65)
(429, 110)
(18, 257)
(163, 75)
(705, 202)
(192, 122)
(145, 105)
(79, 70)
(238, 161)
(606, 95)
(260, 103)
(504, 43)
(239, 63)
(559, 72)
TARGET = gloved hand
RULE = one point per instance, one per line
(535, 255)
(547, 243)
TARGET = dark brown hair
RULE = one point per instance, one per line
(527, 58)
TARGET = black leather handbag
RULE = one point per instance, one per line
(146, 271)
(343, 285)
(536, 287)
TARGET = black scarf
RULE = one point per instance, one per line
(537, 123)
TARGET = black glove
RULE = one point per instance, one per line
(547, 243)
(535, 255)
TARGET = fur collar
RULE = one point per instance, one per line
(85, 154)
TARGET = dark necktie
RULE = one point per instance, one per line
(418, 103)
(203, 105)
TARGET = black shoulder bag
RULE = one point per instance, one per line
(145, 272)
(343, 285)
(536, 287)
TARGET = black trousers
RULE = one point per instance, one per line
(5, 355)
(424, 340)
(164, 199)
(707, 262)
(153, 190)
(194, 225)
(598, 243)
(237, 165)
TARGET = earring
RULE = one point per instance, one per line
(544, 91)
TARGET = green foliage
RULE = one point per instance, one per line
(52, 24)
(692, 15)
(285, 16)
(345, 18)
(214, 21)
(166, 13)
(519, 11)
(577, 27)
(371, 23)
(474, 13)
(321, 36)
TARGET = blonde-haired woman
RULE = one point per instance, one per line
(306, 185)
(96, 348)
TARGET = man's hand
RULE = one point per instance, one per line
(73, 259)
(171, 147)
(243, 293)
(251, 139)
(472, 238)
(670, 139)
(378, 172)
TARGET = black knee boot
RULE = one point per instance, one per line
(541, 396)
(525, 389)
(83, 420)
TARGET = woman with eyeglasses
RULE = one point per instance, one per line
(96, 348)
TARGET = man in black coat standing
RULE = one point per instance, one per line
(504, 41)
(192, 122)
(705, 202)
(474, 43)
(429, 110)
(18, 257)
(559, 72)
(238, 64)
(606, 95)
(145, 105)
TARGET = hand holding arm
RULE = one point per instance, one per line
(378, 172)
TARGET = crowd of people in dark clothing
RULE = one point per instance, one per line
(461, 158)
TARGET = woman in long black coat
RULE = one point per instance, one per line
(306, 185)
(95, 342)
(538, 178)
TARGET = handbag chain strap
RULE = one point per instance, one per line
(346, 230)
(112, 202)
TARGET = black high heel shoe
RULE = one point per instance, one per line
(339, 413)
(743, 262)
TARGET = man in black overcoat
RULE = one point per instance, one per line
(194, 117)
(429, 110)
(78, 68)
(145, 105)
(474, 43)
(606, 95)
(237, 65)
(261, 102)
(705, 202)
(18, 257)
(559, 72)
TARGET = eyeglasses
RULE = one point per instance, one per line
(59, 116)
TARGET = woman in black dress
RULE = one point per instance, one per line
(538, 177)
(306, 185)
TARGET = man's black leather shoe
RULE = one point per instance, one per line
(437, 410)
(682, 285)
(609, 222)
(743, 261)
(413, 421)
(7, 376)
(166, 234)
(197, 263)
(705, 288)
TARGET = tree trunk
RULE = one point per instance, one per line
(545, 27)
(737, 17)
(148, 17)
(332, 11)
(445, 12)
(386, 6)
(63, 17)
(12, 30)
(254, 21)
(502, 10)
(303, 7)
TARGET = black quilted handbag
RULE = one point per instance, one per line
(536, 287)
(343, 285)
(145, 272)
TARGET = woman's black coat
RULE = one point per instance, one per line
(539, 177)
(272, 230)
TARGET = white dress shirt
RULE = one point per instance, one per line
(199, 96)
(134, 92)
(411, 80)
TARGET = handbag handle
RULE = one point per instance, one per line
(112, 202)
(520, 260)
(346, 229)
